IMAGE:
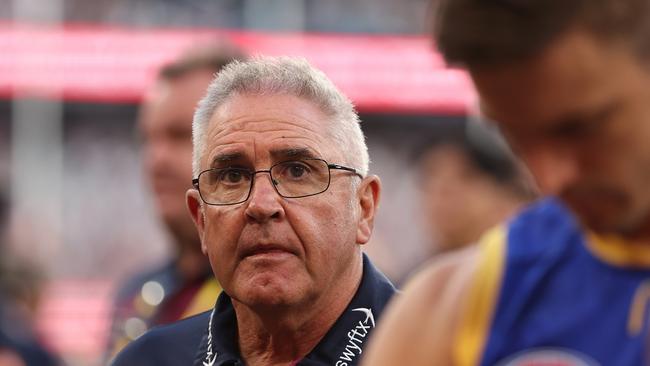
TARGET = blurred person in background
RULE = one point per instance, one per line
(283, 203)
(20, 287)
(469, 181)
(566, 282)
(183, 286)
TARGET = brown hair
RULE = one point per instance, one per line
(487, 32)
(213, 56)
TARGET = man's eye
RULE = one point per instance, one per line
(231, 176)
(293, 170)
(297, 171)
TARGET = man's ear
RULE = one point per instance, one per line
(194, 204)
(368, 192)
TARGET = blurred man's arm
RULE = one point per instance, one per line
(421, 324)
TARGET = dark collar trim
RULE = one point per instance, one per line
(343, 343)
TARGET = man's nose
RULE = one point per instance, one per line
(264, 201)
(554, 169)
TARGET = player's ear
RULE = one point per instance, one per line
(368, 193)
(195, 206)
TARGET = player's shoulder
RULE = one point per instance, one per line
(444, 278)
(450, 281)
(163, 274)
(173, 344)
(418, 325)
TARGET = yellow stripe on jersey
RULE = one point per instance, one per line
(638, 313)
(204, 299)
(618, 252)
(477, 317)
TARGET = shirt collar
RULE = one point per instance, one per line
(343, 342)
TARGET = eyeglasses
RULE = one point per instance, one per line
(291, 179)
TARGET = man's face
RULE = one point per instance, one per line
(578, 115)
(454, 196)
(165, 125)
(272, 250)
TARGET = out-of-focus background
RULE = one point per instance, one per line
(72, 73)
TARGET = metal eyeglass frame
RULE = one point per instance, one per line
(253, 173)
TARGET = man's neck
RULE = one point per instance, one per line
(640, 235)
(191, 264)
(281, 336)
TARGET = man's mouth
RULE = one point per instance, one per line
(266, 251)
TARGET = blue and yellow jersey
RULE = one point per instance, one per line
(549, 293)
(158, 297)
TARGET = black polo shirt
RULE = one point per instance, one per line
(186, 342)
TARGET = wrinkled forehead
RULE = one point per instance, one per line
(276, 126)
(302, 109)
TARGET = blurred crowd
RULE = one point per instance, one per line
(359, 16)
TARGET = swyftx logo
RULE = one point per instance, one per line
(356, 337)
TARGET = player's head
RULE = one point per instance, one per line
(165, 125)
(479, 33)
(469, 182)
(568, 84)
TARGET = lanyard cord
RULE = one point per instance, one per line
(210, 356)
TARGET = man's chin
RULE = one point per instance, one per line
(599, 214)
(597, 226)
(611, 222)
(182, 229)
(269, 290)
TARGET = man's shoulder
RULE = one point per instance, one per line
(173, 344)
(376, 287)
(162, 274)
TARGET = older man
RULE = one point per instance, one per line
(567, 281)
(282, 202)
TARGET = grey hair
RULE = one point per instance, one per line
(283, 75)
